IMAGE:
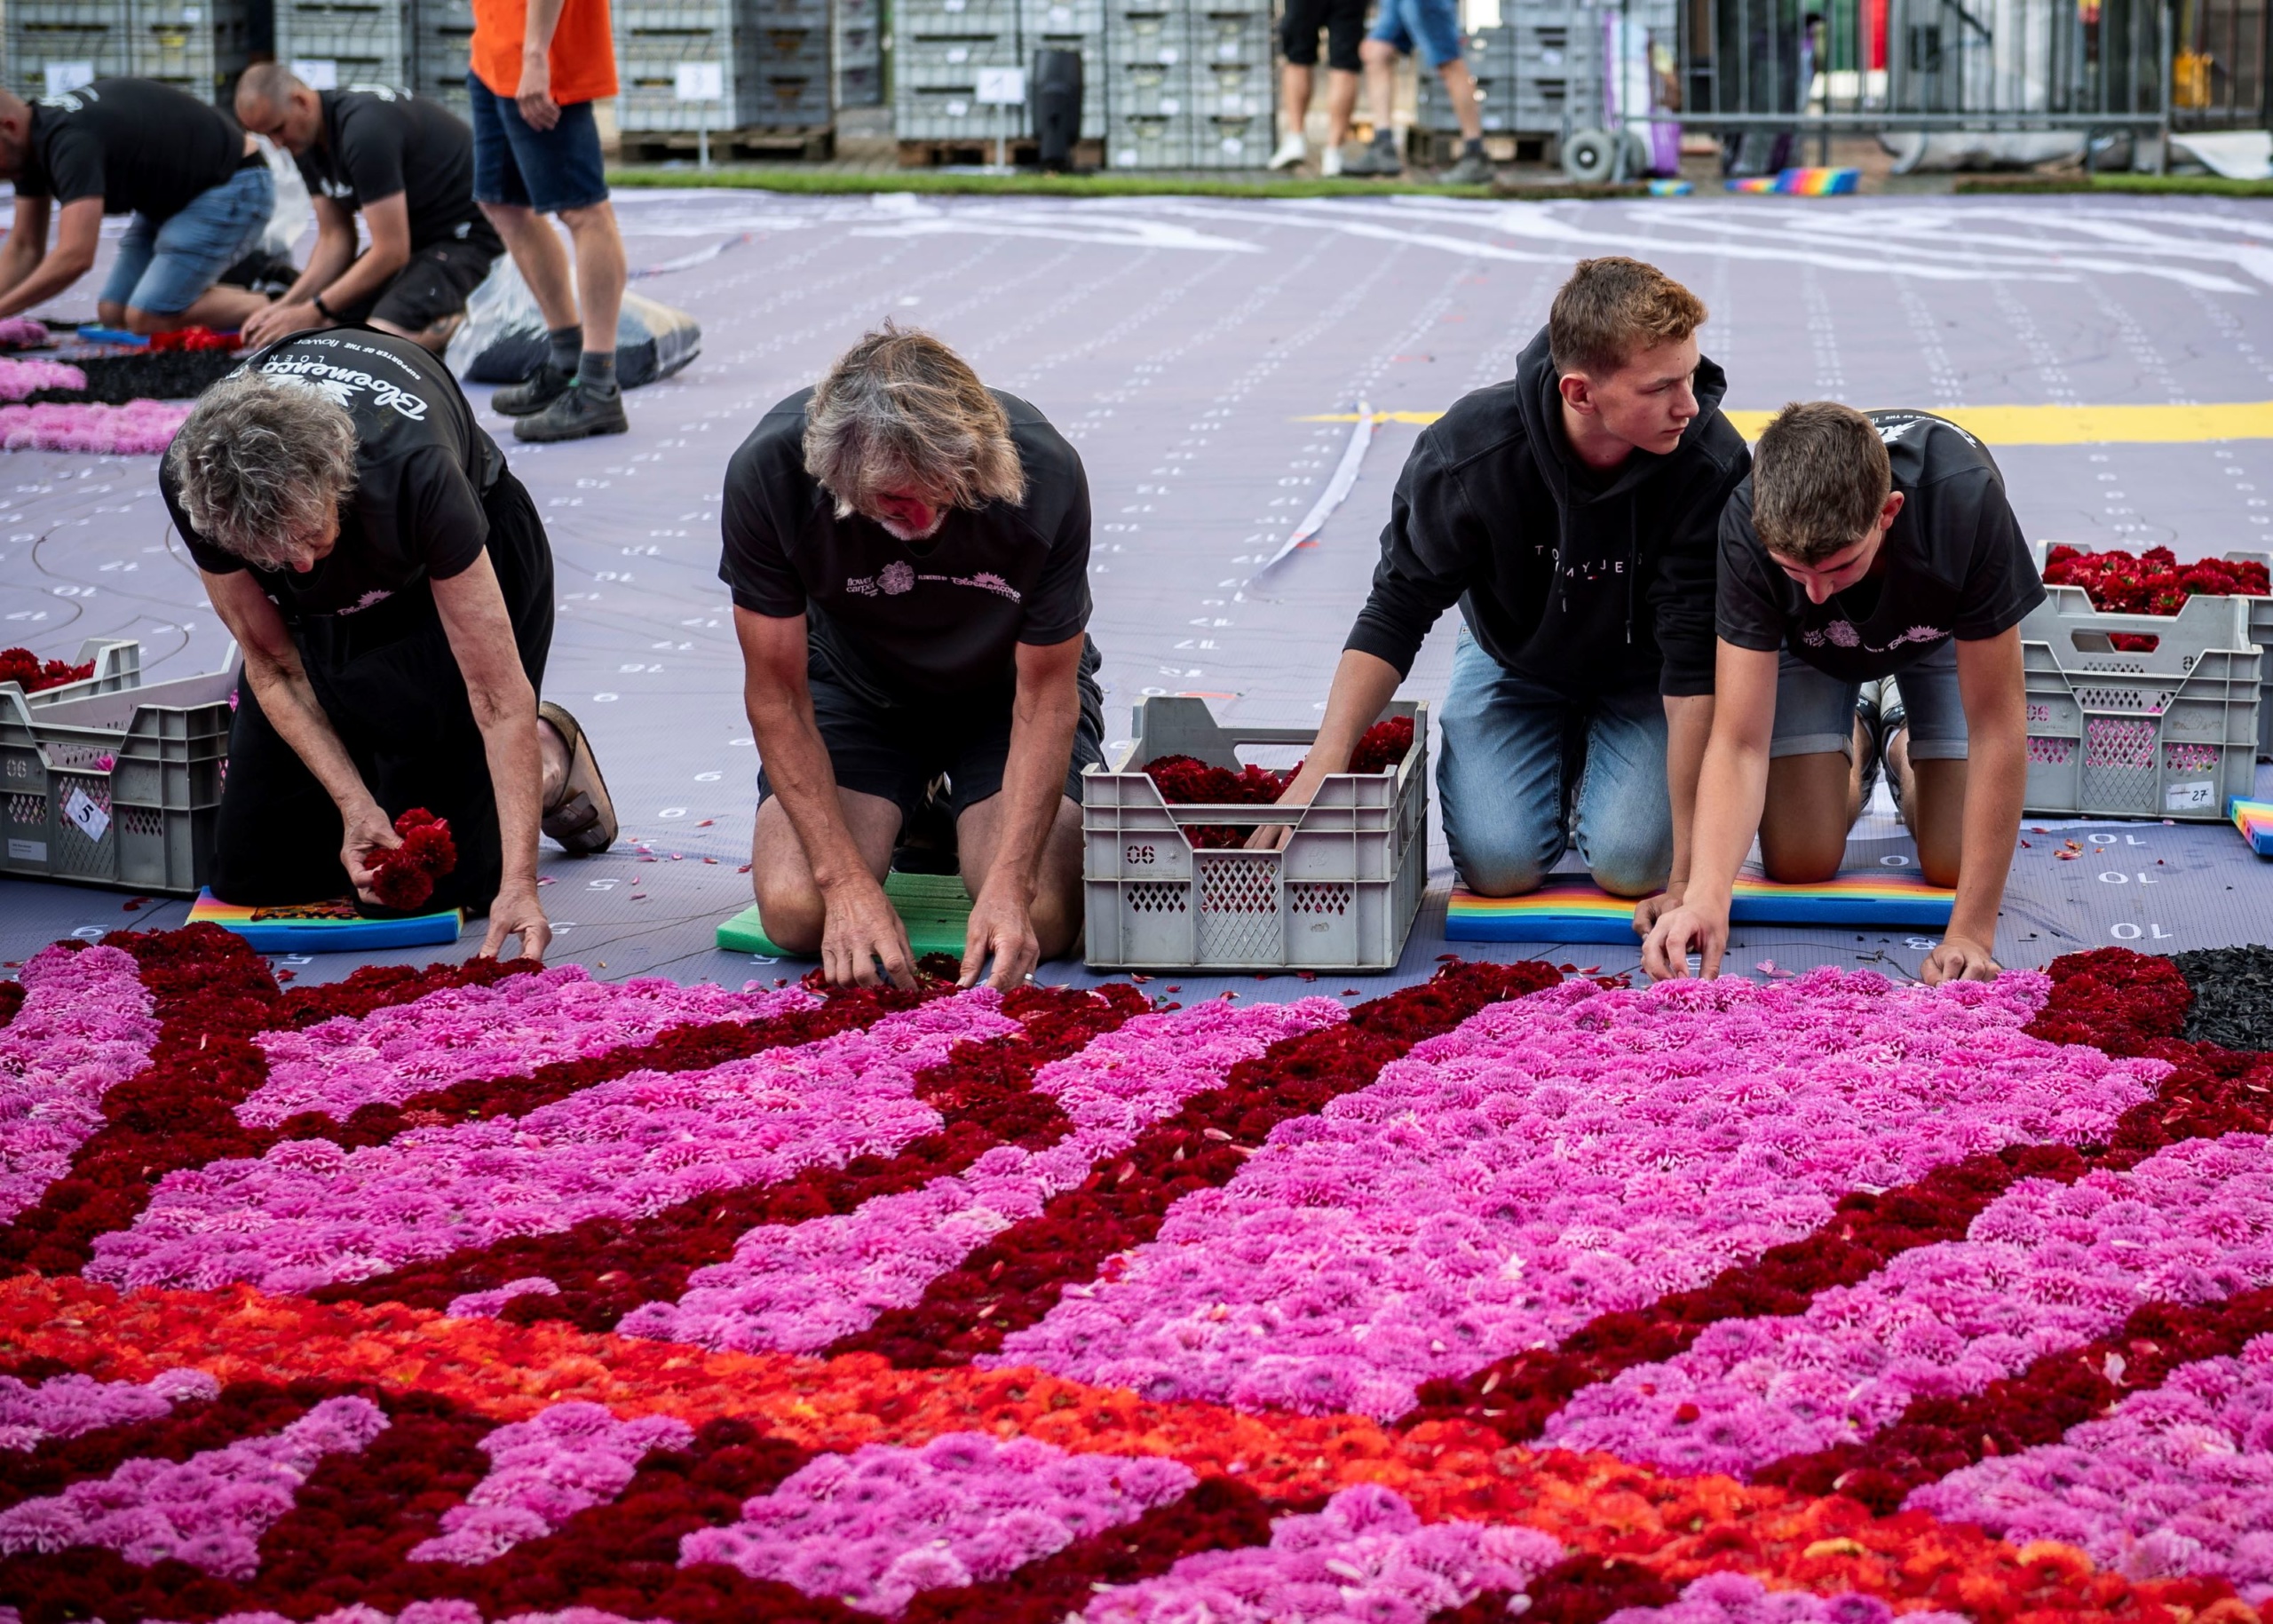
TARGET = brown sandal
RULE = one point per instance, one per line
(582, 817)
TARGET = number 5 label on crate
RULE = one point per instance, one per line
(2196, 794)
(83, 810)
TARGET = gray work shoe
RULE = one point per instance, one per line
(579, 412)
(534, 392)
(1376, 157)
(1473, 170)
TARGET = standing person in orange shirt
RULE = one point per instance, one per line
(537, 65)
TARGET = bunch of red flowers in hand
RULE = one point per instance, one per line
(25, 669)
(405, 875)
(194, 339)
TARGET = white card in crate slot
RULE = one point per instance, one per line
(87, 812)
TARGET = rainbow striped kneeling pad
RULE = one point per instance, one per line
(323, 927)
(1801, 183)
(1570, 907)
(2255, 820)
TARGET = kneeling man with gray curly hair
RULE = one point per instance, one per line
(391, 585)
(908, 552)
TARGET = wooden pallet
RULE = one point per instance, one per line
(1023, 151)
(809, 146)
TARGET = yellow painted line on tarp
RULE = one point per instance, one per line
(2029, 425)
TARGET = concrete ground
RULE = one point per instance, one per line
(1197, 353)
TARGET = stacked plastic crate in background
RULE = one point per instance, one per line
(441, 37)
(772, 59)
(365, 42)
(1189, 85)
(857, 53)
(1539, 74)
(938, 48)
(198, 45)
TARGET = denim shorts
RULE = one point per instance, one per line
(544, 170)
(167, 267)
(1815, 713)
(1433, 24)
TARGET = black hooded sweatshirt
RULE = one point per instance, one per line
(1589, 582)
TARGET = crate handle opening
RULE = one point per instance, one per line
(2106, 643)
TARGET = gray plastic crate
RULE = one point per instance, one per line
(2170, 732)
(1340, 895)
(195, 45)
(1230, 38)
(1146, 89)
(369, 42)
(117, 662)
(117, 788)
(2261, 626)
(1226, 143)
(1147, 140)
(92, 35)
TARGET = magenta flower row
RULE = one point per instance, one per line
(451, 1612)
(1557, 1158)
(309, 1213)
(85, 1026)
(139, 428)
(875, 1527)
(67, 1406)
(1366, 1557)
(544, 1470)
(2045, 1267)
(2178, 1480)
(507, 1029)
(1739, 1598)
(209, 1510)
(798, 1288)
(23, 379)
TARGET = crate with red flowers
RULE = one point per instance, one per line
(1171, 886)
(2139, 716)
(2155, 582)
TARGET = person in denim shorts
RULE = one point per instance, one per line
(198, 189)
(1433, 27)
(536, 68)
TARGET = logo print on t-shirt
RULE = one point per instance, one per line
(897, 578)
(1842, 634)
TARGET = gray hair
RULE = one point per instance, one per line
(260, 463)
(267, 85)
(901, 411)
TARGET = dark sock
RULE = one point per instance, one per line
(1386, 139)
(1472, 149)
(567, 343)
(595, 372)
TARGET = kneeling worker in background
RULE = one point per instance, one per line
(1865, 545)
(391, 585)
(908, 553)
(1571, 512)
(406, 165)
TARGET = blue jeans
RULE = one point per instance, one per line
(1433, 24)
(167, 267)
(1499, 786)
(523, 167)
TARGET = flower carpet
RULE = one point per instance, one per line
(482, 1292)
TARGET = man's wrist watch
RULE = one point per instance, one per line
(323, 309)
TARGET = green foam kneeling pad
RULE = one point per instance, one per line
(935, 908)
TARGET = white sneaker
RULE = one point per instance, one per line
(1329, 163)
(1291, 151)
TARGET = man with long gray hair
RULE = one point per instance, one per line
(391, 585)
(908, 554)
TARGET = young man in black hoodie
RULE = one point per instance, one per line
(1571, 513)
(1865, 544)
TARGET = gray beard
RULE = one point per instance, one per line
(901, 533)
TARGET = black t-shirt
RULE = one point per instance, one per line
(380, 143)
(142, 148)
(421, 468)
(1956, 565)
(897, 621)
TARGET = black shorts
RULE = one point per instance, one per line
(432, 286)
(1344, 22)
(895, 751)
(390, 688)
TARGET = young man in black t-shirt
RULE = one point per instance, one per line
(908, 554)
(1865, 545)
(391, 585)
(199, 190)
(406, 165)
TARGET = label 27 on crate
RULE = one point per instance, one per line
(2195, 794)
